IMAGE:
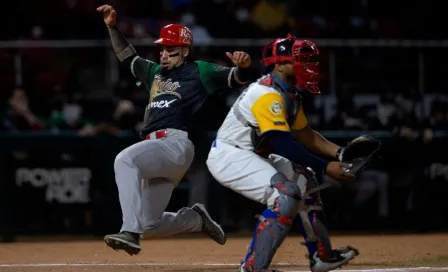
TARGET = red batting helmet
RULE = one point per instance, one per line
(175, 35)
(298, 52)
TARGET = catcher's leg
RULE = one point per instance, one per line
(317, 240)
(255, 178)
(322, 256)
(273, 224)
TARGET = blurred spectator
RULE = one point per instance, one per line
(428, 188)
(372, 186)
(271, 17)
(385, 111)
(18, 115)
(437, 120)
(405, 121)
(346, 116)
(358, 19)
(200, 33)
(125, 117)
(68, 115)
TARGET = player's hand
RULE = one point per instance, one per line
(240, 59)
(109, 15)
(340, 171)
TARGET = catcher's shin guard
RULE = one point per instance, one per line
(268, 214)
(309, 219)
(313, 230)
(272, 226)
(322, 257)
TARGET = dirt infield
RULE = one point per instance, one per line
(201, 254)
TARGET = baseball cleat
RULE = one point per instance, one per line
(210, 227)
(127, 241)
(249, 269)
(341, 256)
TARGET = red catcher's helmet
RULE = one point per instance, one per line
(175, 35)
(298, 52)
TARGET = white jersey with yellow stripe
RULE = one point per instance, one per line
(263, 108)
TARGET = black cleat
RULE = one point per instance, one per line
(210, 227)
(127, 241)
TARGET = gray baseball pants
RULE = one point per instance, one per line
(146, 174)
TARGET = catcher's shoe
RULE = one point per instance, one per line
(210, 227)
(341, 256)
(127, 241)
(245, 268)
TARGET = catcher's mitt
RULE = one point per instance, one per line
(359, 152)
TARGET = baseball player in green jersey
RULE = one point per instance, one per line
(147, 172)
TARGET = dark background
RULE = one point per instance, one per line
(68, 106)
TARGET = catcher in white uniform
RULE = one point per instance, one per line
(268, 119)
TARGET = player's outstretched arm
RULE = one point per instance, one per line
(216, 77)
(141, 68)
(243, 63)
(123, 49)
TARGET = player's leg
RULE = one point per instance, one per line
(144, 160)
(187, 219)
(250, 175)
(157, 222)
(168, 157)
(317, 240)
(129, 183)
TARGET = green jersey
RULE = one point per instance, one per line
(176, 95)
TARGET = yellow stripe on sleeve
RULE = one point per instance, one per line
(269, 111)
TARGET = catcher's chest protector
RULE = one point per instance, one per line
(292, 102)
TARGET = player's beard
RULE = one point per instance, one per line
(165, 70)
(167, 67)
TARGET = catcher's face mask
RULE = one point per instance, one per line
(300, 53)
(305, 68)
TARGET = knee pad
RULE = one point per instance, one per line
(285, 186)
(287, 203)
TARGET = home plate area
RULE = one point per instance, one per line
(377, 253)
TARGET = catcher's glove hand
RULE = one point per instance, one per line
(359, 152)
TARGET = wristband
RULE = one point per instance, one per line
(338, 153)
